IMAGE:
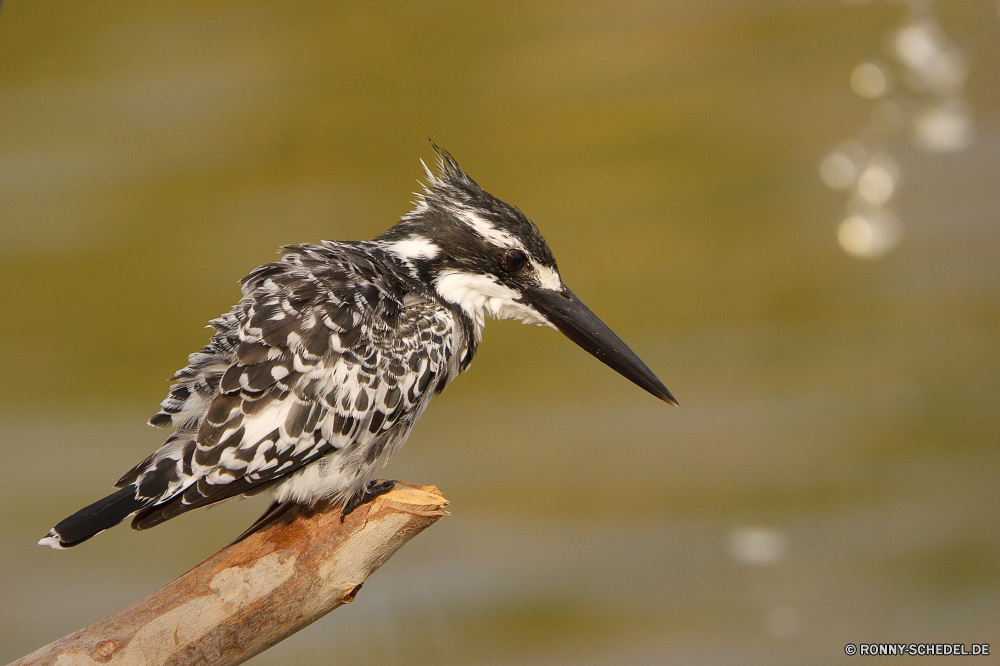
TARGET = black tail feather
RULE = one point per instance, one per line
(155, 514)
(274, 514)
(95, 518)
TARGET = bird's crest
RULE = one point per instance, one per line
(447, 169)
(447, 183)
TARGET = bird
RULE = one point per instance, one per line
(317, 375)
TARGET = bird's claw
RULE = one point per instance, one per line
(371, 491)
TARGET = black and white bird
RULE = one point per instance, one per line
(318, 374)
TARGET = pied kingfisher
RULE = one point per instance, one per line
(318, 374)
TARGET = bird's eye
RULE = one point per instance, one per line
(514, 261)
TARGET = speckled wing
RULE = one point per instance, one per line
(325, 354)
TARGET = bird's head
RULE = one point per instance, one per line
(488, 258)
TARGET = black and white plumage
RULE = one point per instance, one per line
(318, 374)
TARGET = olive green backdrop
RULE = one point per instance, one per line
(831, 474)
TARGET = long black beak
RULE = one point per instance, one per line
(578, 323)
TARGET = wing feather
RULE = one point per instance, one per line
(320, 357)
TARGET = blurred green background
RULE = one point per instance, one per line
(832, 473)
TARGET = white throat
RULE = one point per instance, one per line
(482, 296)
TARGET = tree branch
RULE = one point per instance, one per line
(255, 593)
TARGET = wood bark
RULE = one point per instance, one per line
(255, 593)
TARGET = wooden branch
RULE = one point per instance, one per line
(255, 593)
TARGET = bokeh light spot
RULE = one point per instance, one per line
(877, 182)
(839, 169)
(917, 46)
(869, 80)
(870, 236)
(758, 545)
(944, 128)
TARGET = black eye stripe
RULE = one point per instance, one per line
(514, 261)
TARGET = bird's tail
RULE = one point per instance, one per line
(95, 518)
(275, 513)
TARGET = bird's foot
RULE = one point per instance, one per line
(371, 491)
